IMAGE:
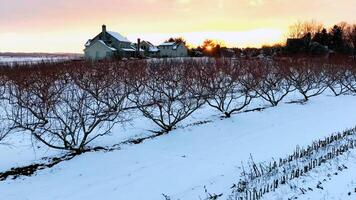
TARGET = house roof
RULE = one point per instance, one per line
(87, 43)
(151, 47)
(174, 45)
(128, 49)
(134, 46)
(102, 42)
(167, 44)
(90, 43)
(118, 36)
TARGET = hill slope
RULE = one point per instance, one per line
(182, 163)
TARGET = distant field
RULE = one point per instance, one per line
(22, 59)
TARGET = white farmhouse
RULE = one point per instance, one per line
(109, 45)
(150, 50)
(173, 49)
(98, 50)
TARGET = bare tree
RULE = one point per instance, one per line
(227, 86)
(65, 109)
(349, 80)
(168, 94)
(307, 77)
(300, 28)
(3, 125)
(273, 84)
(338, 74)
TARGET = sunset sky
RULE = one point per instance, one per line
(64, 26)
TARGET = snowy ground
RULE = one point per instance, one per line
(31, 59)
(332, 180)
(338, 185)
(182, 163)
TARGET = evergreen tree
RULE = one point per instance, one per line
(322, 38)
(337, 42)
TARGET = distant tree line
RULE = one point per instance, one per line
(209, 48)
(307, 38)
(314, 38)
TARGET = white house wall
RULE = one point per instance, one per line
(97, 51)
(168, 51)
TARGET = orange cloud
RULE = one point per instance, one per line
(24, 24)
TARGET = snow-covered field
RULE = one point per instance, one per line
(333, 180)
(186, 161)
(340, 184)
(32, 59)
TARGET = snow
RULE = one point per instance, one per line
(173, 44)
(181, 163)
(103, 43)
(31, 59)
(134, 46)
(334, 182)
(167, 44)
(153, 49)
(87, 44)
(126, 49)
(118, 36)
(341, 186)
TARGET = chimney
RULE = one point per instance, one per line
(138, 47)
(103, 31)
